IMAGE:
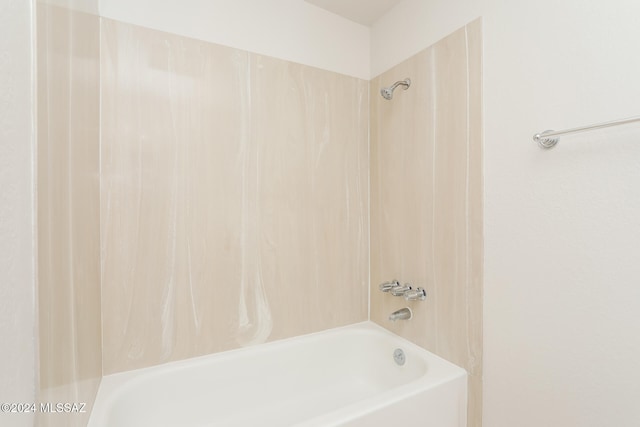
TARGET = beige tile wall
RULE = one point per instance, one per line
(426, 200)
(234, 198)
(68, 216)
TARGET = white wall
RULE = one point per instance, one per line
(293, 30)
(87, 6)
(408, 28)
(562, 227)
(17, 281)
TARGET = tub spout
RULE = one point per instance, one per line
(402, 314)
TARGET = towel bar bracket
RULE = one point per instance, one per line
(543, 141)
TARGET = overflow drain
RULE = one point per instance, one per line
(399, 357)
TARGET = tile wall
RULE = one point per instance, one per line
(68, 211)
(426, 200)
(234, 198)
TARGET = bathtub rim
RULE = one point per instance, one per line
(113, 385)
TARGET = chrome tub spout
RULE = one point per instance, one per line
(402, 314)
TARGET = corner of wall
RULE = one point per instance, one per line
(18, 358)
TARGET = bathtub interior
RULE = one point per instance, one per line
(283, 383)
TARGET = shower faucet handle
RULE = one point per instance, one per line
(417, 294)
(399, 291)
(387, 286)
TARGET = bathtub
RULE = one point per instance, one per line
(341, 377)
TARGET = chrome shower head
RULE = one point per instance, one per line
(387, 92)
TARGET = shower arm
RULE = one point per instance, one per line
(404, 83)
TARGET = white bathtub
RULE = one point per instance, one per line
(340, 377)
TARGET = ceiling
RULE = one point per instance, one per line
(364, 12)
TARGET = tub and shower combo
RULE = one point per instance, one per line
(360, 375)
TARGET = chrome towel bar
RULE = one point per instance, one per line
(547, 138)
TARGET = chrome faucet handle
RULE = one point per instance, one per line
(417, 294)
(399, 291)
(387, 286)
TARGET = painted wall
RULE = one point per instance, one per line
(426, 200)
(17, 240)
(70, 356)
(234, 198)
(561, 226)
(293, 30)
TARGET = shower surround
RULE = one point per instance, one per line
(68, 211)
(426, 200)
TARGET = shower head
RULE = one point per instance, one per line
(387, 92)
